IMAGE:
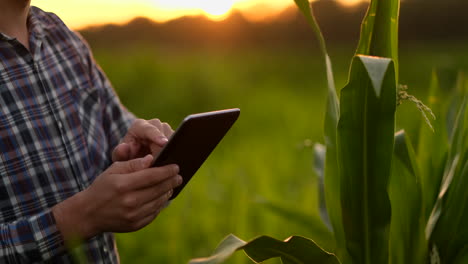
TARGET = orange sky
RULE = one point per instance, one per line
(81, 13)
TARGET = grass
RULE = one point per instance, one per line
(281, 94)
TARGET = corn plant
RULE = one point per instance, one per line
(382, 201)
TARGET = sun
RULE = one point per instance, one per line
(350, 3)
(217, 9)
(213, 9)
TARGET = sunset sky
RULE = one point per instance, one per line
(81, 13)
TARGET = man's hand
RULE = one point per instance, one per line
(124, 198)
(144, 137)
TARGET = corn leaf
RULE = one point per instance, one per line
(450, 233)
(379, 31)
(316, 228)
(365, 135)
(294, 250)
(407, 241)
(455, 105)
(454, 163)
(306, 9)
(365, 147)
(433, 146)
(225, 249)
(457, 133)
(438, 206)
(331, 174)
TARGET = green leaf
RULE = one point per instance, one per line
(450, 233)
(455, 103)
(447, 212)
(407, 241)
(455, 216)
(225, 249)
(437, 210)
(294, 250)
(433, 146)
(306, 9)
(379, 31)
(332, 183)
(459, 133)
(365, 148)
(367, 121)
(312, 223)
(331, 177)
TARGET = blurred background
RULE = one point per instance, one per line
(171, 58)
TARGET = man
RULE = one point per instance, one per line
(74, 164)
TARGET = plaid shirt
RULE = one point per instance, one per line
(59, 121)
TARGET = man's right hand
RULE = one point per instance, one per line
(124, 198)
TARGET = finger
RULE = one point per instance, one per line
(155, 122)
(121, 152)
(145, 221)
(152, 176)
(155, 204)
(150, 210)
(132, 149)
(167, 130)
(131, 166)
(146, 195)
(151, 132)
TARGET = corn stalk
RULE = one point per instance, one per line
(383, 202)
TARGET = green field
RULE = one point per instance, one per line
(265, 158)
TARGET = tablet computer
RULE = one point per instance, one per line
(193, 142)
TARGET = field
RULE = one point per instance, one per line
(265, 162)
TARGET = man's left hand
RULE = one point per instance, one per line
(144, 137)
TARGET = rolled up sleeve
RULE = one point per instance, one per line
(34, 239)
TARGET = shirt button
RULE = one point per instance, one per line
(60, 125)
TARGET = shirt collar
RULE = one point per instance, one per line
(35, 26)
(5, 37)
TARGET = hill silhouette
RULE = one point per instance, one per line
(420, 21)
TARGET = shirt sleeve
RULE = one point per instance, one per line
(36, 238)
(116, 119)
(33, 239)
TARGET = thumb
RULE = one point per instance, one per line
(133, 165)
